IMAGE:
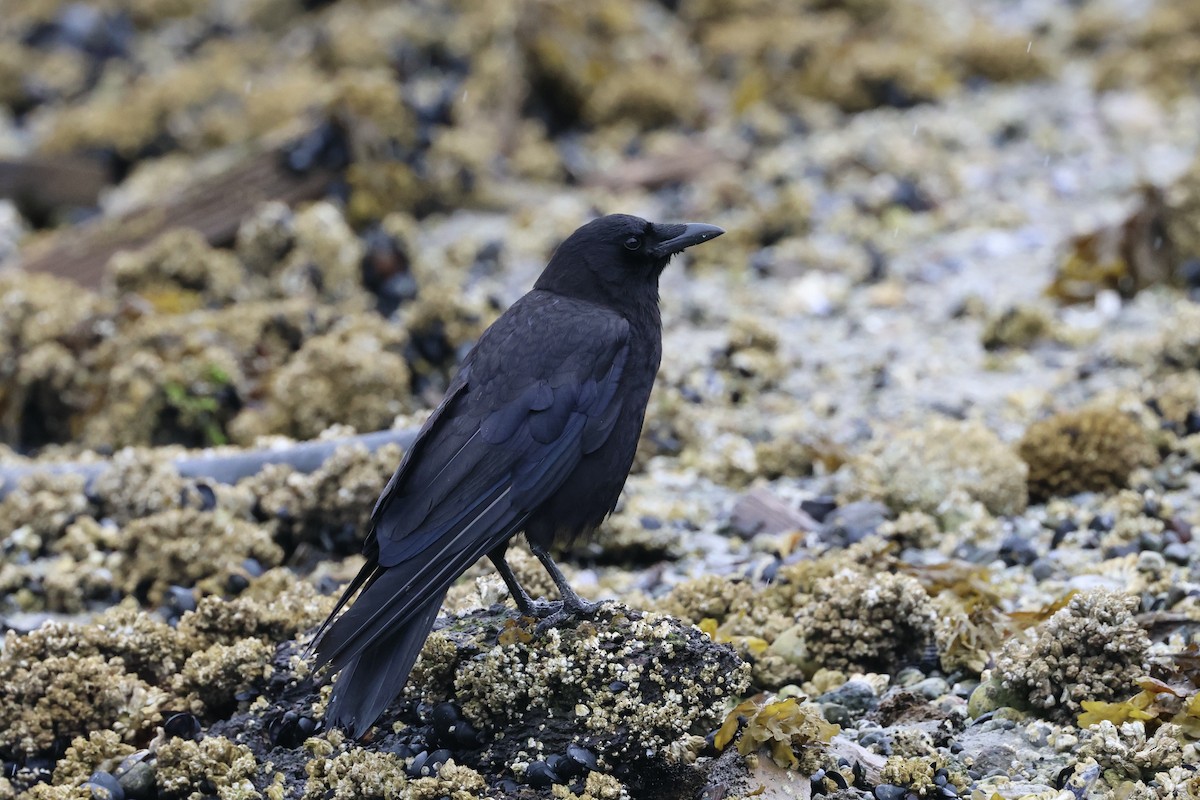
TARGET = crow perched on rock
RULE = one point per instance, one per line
(536, 433)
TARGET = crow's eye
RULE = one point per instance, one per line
(633, 243)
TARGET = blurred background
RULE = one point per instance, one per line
(228, 186)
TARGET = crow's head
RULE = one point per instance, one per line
(616, 259)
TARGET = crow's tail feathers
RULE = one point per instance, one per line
(372, 679)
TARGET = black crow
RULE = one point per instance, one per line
(536, 433)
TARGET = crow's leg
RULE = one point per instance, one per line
(571, 602)
(525, 604)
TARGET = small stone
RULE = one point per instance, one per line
(1043, 569)
(137, 776)
(434, 762)
(104, 786)
(582, 756)
(820, 508)
(890, 791)
(931, 688)
(995, 760)
(182, 726)
(539, 775)
(1149, 561)
(877, 740)
(856, 695)
(1177, 553)
(1017, 550)
(836, 713)
(853, 523)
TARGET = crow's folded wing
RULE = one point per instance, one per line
(538, 393)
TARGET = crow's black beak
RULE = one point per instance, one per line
(684, 236)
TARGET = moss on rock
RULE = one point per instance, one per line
(1091, 449)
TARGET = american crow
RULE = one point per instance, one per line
(536, 433)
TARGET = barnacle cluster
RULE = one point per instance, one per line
(1092, 649)
(919, 469)
(670, 682)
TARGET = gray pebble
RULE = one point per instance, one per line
(931, 688)
(1177, 552)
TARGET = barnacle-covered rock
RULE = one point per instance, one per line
(138, 483)
(331, 505)
(921, 469)
(750, 360)
(177, 272)
(265, 238)
(355, 774)
(325, 259)
(142, 645)
(275, 607)
(1127, 752)
(185, 767)
(44, 505)
(1091, 449)
(708, 596)
(453, 781)
(101, 750)
(1093, 649)
(218, 675)
(162, 382)
(634, 685)
(71, 695)
(912, 529)
(190, 548)
(1176, 399)
(355, 374)
(45, 322)
(580, 79)
(872, 622)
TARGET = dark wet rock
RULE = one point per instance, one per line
(136, 776)
(1017, 549)
(878, 740)
(585, 759)
(1178, 553)
(857, 697)
(291, 729)
(819, 508)
(930, 688)
(183, 725)
(853, 522)
(104, 786)
(539, 774)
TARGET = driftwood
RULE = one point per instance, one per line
(46, 183)
(760, 511)
(214, 207)
(224, 467)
